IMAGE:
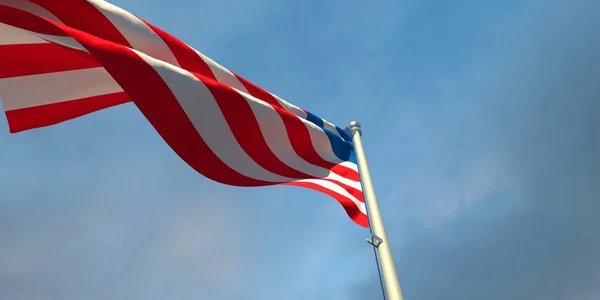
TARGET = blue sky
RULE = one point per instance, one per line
(480, 123)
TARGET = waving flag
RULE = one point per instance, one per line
(60, 60)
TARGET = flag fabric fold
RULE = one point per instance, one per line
(61, 60)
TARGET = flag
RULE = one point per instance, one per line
(61, 60)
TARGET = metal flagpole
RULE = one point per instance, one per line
(379, 238)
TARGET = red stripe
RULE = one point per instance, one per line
(27, 21)
(351, 209)
(246, 130)
(302, 142)
(31, 59)
(46, 115)
(299, 136)
(158, 104)
(352, 191)
(258, 92)
(346, 172)
(187, 58)
(298, 133)
(84, 16)
(191, 61)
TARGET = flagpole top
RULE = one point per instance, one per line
(354, 127)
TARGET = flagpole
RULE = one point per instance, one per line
(379, 239)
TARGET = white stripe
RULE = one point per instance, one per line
(66, 41)
(338, 190)
(222, 74)
(32, 8)
(35, 90)
(291, 108)
(355, 184)
(349, 165)
(329, 126)
(206, 116)
(322, 143)
(10, 35)
(225, 76)
(137, 33)
(277, 139)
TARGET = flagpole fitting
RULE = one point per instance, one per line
(375, 241)
(354, 127)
